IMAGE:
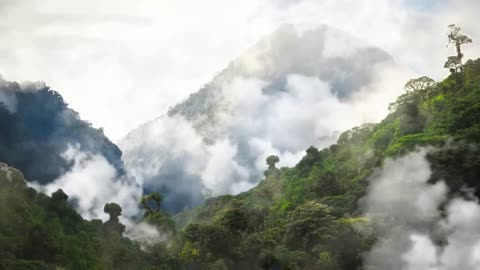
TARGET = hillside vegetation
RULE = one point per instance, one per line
(38, 232)
(305, 217)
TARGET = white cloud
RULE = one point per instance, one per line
(222, 174)
(401, 189)
(175, 134)
(307, 112)
(171, 157)
(92, 182)
(145, 234)
(413, 233)
(422, 254)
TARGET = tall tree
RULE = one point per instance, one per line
(455, 37)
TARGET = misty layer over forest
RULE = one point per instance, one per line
(215, 142)
(311, 150)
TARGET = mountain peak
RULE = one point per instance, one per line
(237, 113)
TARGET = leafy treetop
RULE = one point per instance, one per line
(455, 37)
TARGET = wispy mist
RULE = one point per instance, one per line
(419, 226)
(92, 182)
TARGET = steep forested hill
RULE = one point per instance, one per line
(306, 217)
(37, 126)
(38, 232)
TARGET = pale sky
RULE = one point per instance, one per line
(121, 63)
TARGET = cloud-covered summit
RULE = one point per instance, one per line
(293, 89)
(325, 53)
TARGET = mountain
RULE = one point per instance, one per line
(377, 199)
(215, 142)
(37, 129)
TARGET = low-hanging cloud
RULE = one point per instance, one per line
(145, 234)
(219, 142)
(413, 232)
(92, 182)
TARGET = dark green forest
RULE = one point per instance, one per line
(304, 217)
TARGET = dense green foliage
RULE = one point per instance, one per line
(39, 232)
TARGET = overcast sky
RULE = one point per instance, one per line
(121, 63)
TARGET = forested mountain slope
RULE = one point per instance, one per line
(307, 217)
(38, 232)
